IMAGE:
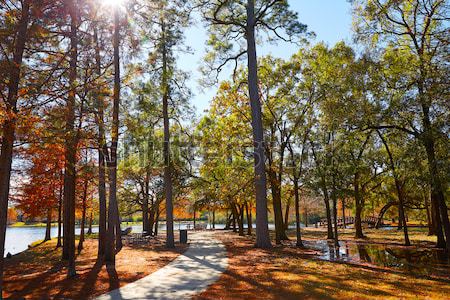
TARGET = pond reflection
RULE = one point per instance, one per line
(415, 260)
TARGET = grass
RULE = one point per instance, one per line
(23, 224)
(286, 272)
(39, 273)
(417, 235)
(282, 272)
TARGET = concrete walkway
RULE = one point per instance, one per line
(189, 274)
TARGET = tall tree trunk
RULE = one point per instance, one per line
(400, 218)
(240, 212)
(437, 191)
(401, 201)
(83, 215)
(91, 219)
(343, 213)
(60, 204)
(326, 197)
(383, 210)
(286, 215)
(195, 219)
(335, 223)
(437, 227)
(170, 240)
(280, 233)
(358, 207)
(234, 215)
(9, 128)
(262, 224)
(299, 242)
(102, 155)
(48, 227)
(429, 218)
(113, 230)
(71, 146)
(326, 200)
(157, 221)
(145, 219)
(118, 230)
(249, 219)
(151, 221)
(213, 219)
(437, 196)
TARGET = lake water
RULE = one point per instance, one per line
(18, 238)
(429, 261)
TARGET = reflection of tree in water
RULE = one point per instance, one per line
(331, 250)
(363, 254)
(413, 260)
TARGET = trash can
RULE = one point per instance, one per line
(183, 236)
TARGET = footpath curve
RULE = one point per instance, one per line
(189, 274)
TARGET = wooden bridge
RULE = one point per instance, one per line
(371, 221)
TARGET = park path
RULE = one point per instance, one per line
(189, 274)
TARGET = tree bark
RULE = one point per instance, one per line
(437, 196)
(429, 218)
(145, 219)
(383, 210)
(234, 216)
(48, 227)
(249, 219)
(359, 203)
(83, 216)
(157, 221)
(113, 230)
(9, 128)
(60, 204)
(286, 215)
(170, 240)
(151, 221)
(275, 185)
(299, 242)
(71, 146)
(262, 224)
(91, 217)
(335, 224)
(102, 153)
(195, 219)
(343, 213)
(239, 209)
(437, 191)
(326, 200)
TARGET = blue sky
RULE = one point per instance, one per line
(330, 20)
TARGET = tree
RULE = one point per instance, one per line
(166, 19)
(19, 31)
(71, 144)
(417, 32)
(398, 187)
(40, 196)
(113, 233)
(230, 22)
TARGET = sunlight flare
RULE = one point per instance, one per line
(113, 3)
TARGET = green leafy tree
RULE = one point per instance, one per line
(233, 27)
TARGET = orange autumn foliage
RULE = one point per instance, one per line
(45, 179)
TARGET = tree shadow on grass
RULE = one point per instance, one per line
(286, 273)
(91, 278)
